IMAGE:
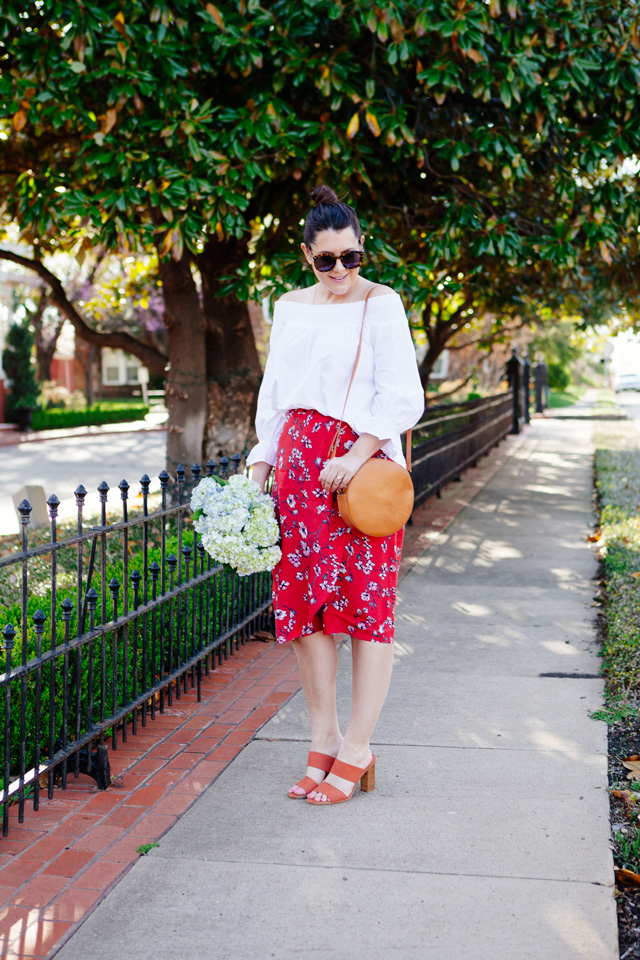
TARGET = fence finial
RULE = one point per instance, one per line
(9, 635)
(24, 509)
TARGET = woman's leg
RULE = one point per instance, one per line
(372, 664)
(318, 664)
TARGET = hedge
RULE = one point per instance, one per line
(97, 414)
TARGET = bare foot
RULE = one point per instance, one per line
(315, 773)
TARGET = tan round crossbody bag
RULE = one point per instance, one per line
(379, 499)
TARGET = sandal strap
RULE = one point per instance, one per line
(333, 793)
(348, 772)
(307, 784)
(321, 761)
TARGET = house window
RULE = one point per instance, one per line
(132, 372)
(118, 368)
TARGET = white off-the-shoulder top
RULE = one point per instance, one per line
(312, 351)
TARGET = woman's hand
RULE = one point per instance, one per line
(337, 473)
(260, 473)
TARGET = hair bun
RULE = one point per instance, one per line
(323, 195)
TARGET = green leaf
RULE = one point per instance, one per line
(505, 94)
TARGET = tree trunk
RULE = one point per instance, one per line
(45, 350)
(45, 338)
(233, 366)
(185, 393)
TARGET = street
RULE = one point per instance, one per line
(60, 465)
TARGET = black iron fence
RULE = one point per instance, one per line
(453, 437)
(113, 622)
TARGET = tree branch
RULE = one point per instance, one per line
(448, 393)
(149, 356)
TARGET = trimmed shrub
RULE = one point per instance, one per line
(92, 416)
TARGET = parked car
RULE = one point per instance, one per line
(627, 381)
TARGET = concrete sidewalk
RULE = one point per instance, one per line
(488, 833)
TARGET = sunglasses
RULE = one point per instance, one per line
(351, 259)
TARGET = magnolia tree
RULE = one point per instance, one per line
(481, 144)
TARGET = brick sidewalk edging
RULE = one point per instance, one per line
(63, 860)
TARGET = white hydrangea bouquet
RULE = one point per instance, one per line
(236, 523)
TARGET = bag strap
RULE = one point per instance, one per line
(336, 439)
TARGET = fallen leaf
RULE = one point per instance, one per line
(628, 876)
(263, 635)
(627, 798)
(635, 575)
(633, 766)
(19, 120)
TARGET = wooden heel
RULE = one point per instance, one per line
(368, 779)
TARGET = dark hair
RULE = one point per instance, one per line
(328, 213)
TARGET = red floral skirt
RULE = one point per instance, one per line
(329, 578)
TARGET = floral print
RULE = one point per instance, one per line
(329, 578)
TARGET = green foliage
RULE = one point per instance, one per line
(558, 375)
(615, 714)
(20, 369)
(480, 142)
(144, 848)
(474, 117)
(97, 414)
(617, 465)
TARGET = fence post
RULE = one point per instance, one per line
(540, 372)
(526, 388)
(514, 375)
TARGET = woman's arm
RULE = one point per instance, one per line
(269, 420)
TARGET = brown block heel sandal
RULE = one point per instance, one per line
(366, 776)
(322, 761)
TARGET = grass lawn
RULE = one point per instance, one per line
(565, 398)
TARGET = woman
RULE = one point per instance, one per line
(331, 580)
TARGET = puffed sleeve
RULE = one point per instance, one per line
(269, 420)
(399, 397)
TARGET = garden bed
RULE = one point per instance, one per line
(617, 475)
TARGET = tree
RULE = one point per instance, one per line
(482, 143)
(18, 365)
